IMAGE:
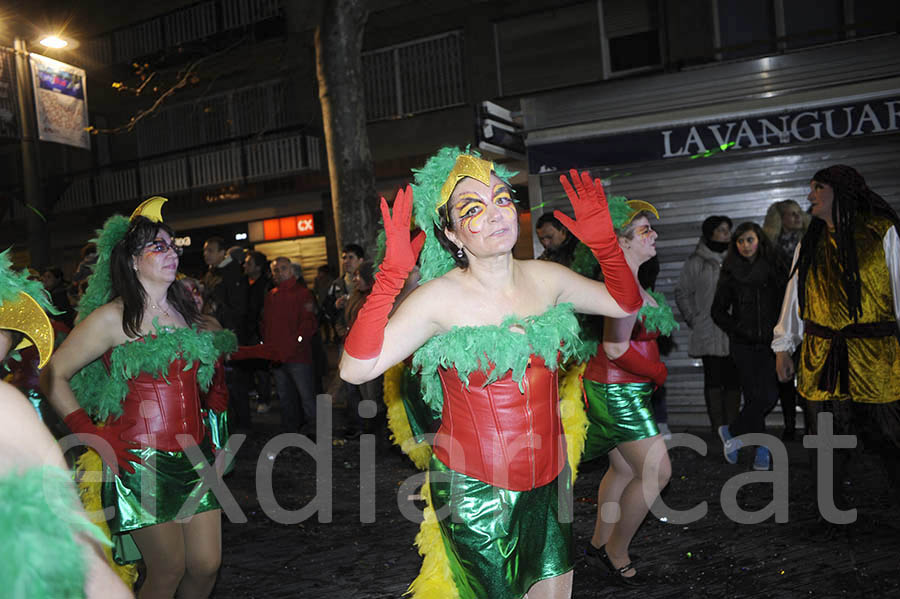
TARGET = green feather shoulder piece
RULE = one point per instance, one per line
(38, 528)
(497, 349)
(101, 393)
(659, 317)
(13, 282)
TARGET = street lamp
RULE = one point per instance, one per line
(35, 200)
(52, 41)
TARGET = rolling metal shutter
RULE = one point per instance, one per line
(740, 185)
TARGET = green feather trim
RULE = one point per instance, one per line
(13, 282)
(101, 393)
(39, 522)
(498, 349)
(99, 287)
(659, 317)
(380, 247)
(434, 260)
(619, 210)
(584, 262)
(587, 350)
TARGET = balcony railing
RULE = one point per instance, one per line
(418, 76)
(238, 162)
(195, 22)
(216, 118)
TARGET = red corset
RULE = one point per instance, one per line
(499, 434)
(155, 411)
(601, 370)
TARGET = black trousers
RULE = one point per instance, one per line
(756, 369)
(877, 429)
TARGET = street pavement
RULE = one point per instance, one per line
(349, 554)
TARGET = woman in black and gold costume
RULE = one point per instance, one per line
(138, 362)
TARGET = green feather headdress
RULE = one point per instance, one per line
(99, 287)
(428, 181)
(622, 210)
(13, 282)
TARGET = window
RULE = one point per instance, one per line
(811, 22)
(872, 17)
(746, 28)
(632, 34)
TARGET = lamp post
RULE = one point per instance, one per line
(37, 227)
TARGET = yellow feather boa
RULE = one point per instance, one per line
(398, 422)
(89, 469)
(435, 580)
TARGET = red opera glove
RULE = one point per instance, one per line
(366, 337)
(595, 229)
(84, 428)
(217, 396)
(635, 362)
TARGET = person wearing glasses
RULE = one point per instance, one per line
(142, 363)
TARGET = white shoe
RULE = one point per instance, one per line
(664, 431)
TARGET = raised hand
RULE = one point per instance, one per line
(593, 225)
(400, 253)
(365, 339)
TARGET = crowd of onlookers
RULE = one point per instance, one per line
(730, 294)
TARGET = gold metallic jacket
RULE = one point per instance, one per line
(874, 362)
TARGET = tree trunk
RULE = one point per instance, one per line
(338, 41)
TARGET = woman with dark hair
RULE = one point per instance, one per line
(618, 384)
(488, 332)
(694, 296)
(746, 306)
(138, 363)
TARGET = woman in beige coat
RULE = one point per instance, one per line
(694, 296)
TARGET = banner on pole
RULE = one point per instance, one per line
(60, 102)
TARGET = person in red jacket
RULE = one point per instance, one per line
(288, 324)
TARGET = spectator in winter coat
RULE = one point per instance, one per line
(694, 296)
(746, 306)
(289, 322)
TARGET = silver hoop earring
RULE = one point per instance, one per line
(459, 253)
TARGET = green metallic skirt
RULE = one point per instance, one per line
(162, 483)
(501, 542)
(617, 413)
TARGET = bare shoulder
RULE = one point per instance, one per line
(24, 440)
(546, 274)
(104, 323)
(542, 267)
(436, 288)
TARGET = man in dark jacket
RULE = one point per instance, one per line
(226, 288)
(559, 244)
(288, 324)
